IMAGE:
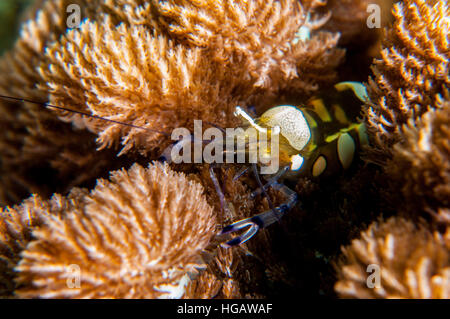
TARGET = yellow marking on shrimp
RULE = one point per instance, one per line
(319, 166)
(346, 149)
(321, 110)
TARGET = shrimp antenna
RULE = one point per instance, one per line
(83, 113)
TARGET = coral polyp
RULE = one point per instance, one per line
(135, 236)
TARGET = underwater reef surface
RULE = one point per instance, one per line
(83, 193)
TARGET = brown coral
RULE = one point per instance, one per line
(217, 281)
(137, 236)
(132, 12)
(262, 35)
(150, 82)
(34, 157)
(17, 224)
(413, 70)
(408, 121)
(413, 262)
(206, 286)
(425, 155)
